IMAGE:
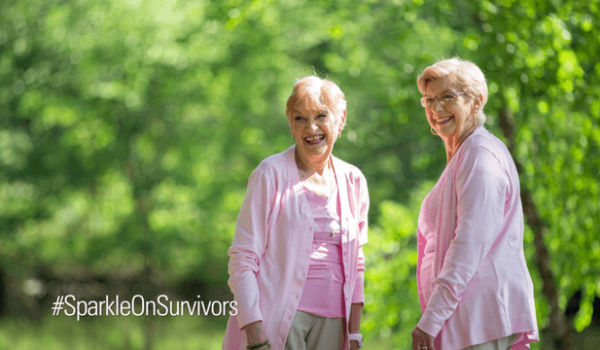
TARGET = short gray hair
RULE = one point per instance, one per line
(465, 74)
(317, 94)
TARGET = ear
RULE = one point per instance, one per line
(343, 121)
(289, 122)
(478, 101)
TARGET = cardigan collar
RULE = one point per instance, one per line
(340, 175)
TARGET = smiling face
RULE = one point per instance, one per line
(315, 131)
(456, 117)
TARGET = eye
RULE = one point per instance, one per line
(322, 116)
(429, 100)
(449, 96)
(298, 118)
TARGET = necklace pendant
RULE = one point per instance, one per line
(331, 234)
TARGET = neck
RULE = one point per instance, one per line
(317, 165)
(454, 141)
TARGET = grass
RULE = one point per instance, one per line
(121, 333)
(114, 332)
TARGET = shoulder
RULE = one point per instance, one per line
(276, 164)
(352, 172)
(481, 137)
(484, 156)
(484, 146)
(355, 179)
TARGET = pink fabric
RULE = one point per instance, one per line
(323, 293)
(272, 245)
(428, 257)
(480, 286)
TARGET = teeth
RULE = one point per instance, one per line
(444, 120)
(314, 138)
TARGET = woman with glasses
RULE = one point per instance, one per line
(296, 263)
(474, 286)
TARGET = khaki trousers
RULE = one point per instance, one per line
(498, 344)
(311, 332)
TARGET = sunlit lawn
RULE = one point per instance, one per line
(118, 332)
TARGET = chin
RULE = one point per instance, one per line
(447, 129)
(314, 151)
(319, 151)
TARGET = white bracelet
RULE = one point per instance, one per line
(358, 337)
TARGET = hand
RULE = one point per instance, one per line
(354, 345)
(254, 333)
(421, 339)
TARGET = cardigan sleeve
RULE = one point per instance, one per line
(421, 243)
(249, 244)
(481, 185)
(363, 228)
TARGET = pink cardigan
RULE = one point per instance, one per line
(271, 248)
(482, 288)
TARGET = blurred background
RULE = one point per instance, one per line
(129, 128)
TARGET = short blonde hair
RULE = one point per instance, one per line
(318, 95)
(465, 74)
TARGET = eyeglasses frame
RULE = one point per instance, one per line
(441, 100)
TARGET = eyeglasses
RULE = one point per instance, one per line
(429, 102)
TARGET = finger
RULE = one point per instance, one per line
(417, 340)
(430, 342)
(422, 346)
(425, 343)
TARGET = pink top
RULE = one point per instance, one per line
(270, 254)
(323, 293)
(478, 287)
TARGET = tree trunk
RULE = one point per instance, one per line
(560, 328)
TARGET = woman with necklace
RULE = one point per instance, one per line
(296, 263)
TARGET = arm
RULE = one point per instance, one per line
(254, 333)
(421, 243)
(354, 324)
(420, 338)
(481, 186)
(358, 298)
(249, 244)
(363, 237)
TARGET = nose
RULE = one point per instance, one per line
(312, 125)
(437, 106)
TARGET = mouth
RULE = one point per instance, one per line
(314, 139)
(445, 120)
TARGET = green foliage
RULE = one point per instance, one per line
(391, 301)
(128, 129)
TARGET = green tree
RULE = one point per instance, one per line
(128, 129)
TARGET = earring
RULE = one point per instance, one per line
(433, 131)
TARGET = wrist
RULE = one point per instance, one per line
(254, 333)
(259, 346)
(356, 337)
